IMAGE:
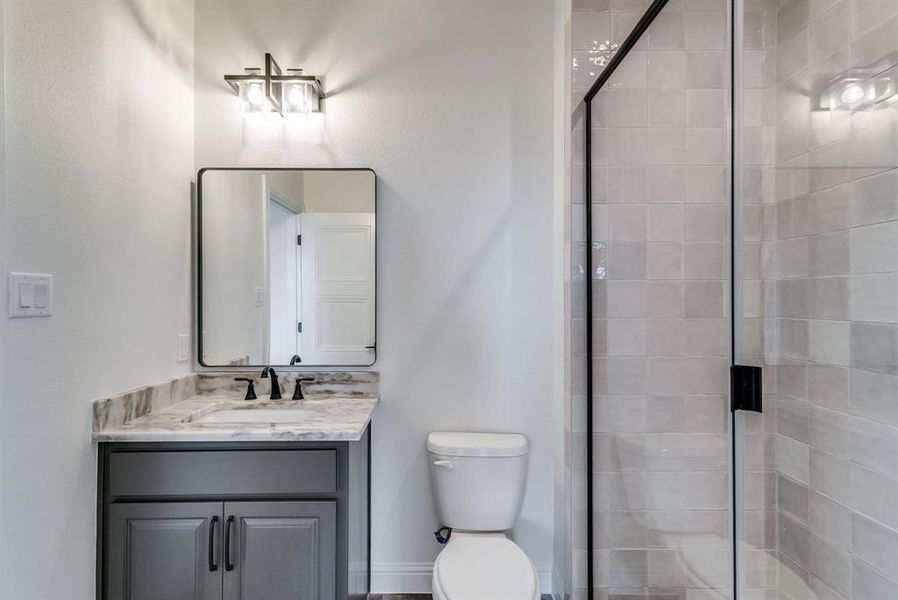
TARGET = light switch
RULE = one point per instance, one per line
(41, 295)
(26, 295)
(30, 295)
(260, 296)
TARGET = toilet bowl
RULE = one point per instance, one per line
(478, 481)
(483, 566)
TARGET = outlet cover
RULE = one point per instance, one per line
(183, 347)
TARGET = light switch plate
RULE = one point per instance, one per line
(259, 296)
(30, 295)
(183, 347)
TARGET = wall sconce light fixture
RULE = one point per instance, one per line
(859, 90)
(272, 90)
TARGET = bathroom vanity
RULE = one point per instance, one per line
(203, 495)
(210, 489)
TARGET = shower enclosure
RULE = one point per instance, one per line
(735, 202)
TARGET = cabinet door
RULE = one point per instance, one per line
(164, 550)
(280, 550)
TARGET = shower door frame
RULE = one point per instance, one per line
(734, 26)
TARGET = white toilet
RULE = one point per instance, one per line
(478, 481)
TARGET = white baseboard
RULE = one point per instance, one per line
(417, 578)
(401, 578)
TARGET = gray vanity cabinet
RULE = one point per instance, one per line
(234, 521)
(161, 551)
(282, 550)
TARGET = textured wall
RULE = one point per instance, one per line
(98, 127)
(452, 105)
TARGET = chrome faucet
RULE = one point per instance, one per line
(275, 386)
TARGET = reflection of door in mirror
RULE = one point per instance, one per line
(283, 279)
(338, 288)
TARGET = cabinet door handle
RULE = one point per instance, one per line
(213, 566)
(229, 566)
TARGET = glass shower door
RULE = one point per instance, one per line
(657, 323)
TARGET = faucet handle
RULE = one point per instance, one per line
(250, 390)
(297, 390)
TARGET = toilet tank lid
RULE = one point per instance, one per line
(457, 443)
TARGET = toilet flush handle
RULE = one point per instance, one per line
(446, 464)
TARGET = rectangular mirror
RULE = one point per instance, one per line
(286, 267)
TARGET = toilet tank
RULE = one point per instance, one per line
(478, 478)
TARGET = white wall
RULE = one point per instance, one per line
(288, 187)
(562, 307)
(451, 103)
(235, 225)
(98, 158)
(338, 191)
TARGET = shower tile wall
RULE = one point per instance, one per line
(833, 278)
(659, 296)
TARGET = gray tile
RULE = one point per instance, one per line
(868, 584)
(874, 347)
(873, 248)
(703, 299)
(875, 199)
(873, 297)
(829, 431)
(874, 445)
(627, 260)
(829, 298)
(830, 520)
(831, 565)
(829, 254)
(794, 540)
(874, 544)
(874, 495)
(792, 498)
(793, 419)
(829, 475)
(873, 395)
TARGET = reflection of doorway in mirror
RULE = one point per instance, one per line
(337, 283)
(283, 279)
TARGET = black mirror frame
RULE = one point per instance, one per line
(198, 271)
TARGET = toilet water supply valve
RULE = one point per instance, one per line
(443, 534)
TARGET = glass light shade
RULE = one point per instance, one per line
(856, 93)
(847, 93)
(297, 97)
(882, 88)
(252, 97)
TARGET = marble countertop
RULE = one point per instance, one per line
(338, 407)
(323, 419)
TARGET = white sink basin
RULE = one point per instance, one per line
(256, 415)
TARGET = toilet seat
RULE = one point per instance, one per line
(484, 566)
